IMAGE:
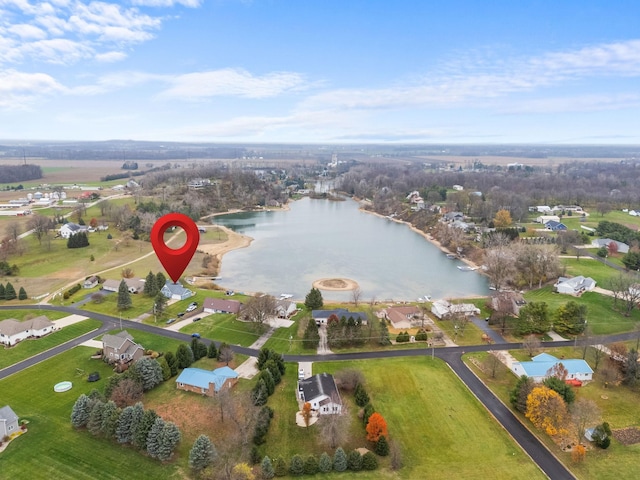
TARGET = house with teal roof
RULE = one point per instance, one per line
(540, 368)
(206, 382)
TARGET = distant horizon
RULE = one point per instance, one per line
(321, 72)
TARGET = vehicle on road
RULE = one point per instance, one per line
(181, 314)
(195, 335)
(197, 319)
(170, 321)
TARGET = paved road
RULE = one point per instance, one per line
(549, 464)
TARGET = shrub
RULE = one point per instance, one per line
(297, 465)
(369, 461)
(311, 465)
(325, 464)
(382, 446)
(354, 461)
(403, 337)
(421, 336)
(340, 460)
(361, 396)
(280, 467)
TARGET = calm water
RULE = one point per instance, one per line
(323, 239)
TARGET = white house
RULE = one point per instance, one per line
(221, 305)
(69, 229)
(285, 308)
(322, 393)
(8, 421)
(443, 309)
(176, 291)
(604, 242)
(575, 285)
(13, 331)
(540, 367)
(134, 285)
(546, 218)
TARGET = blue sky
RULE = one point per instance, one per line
(321, 71)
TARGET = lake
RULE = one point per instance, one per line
(317, 239)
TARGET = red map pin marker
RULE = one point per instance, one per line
(176, 260)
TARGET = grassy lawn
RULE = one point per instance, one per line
(617, 404)
(22, 314)
(601, 316)
(109, 305)
(63, 453)
(29, 348)
(224, 327)
(589, 267)
(442, 430)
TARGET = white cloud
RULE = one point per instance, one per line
(232, 82)
(18, 90)
(27, 32)
(584, 103)
(167, 3)
(110, 57)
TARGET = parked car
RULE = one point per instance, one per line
(301, 374)
(197, 319)
(181, 314)
(195, 335)
(191, 308)
(170, 321)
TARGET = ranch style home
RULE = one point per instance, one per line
(322, 393)
(120, 348)
(206, 382)
(8, 421)
(221, 305)
(401, 316)
(134, 285)
(175, 291)
(575, 285)
(13, 331)
(321, 316)
(540, 367)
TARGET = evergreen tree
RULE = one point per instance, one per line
(212, 351)
(137, 415)
(2, 292)
(172, 362)
(313, 300)
(80, 412)
(169, 439)
(273, 370)
(184, 356)
(369, 461)
(266, 376)
(149, 371)
(520, 392)
(124, 433)
(164, 366)
(325, 464)
(110, 415)
(259, 394)
(361, 396)
(22, 294)
(154, 438)
(384, 333)
(160, 303)
(195, 348)
(150, 287)
(354, 461)
(202, 454)
(311, 465)
(382, 446)
(10, 292)
(160, 280)
(339, 460)
(124, 297)
(311, 337)
(266, 468)
(142, 432)
(280, 467)
(565, 390)
(297, 465)
(95, 418)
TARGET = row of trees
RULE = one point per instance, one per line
(272, 367)
(311, 465)
(535, 318)
(8, 292)
(520, 264)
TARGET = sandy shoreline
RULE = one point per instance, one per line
(336, 284)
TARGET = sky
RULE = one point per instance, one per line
(321, 71)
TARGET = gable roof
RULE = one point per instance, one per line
(197, 377)
(540, 365)
(321, 384)
(401, 313)
(221, 304)
(11, 326)
(175, 289)
(576, 283)
(338, 312)
(136, 284)
(8, 415)
(116, 341)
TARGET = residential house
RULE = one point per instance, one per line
(13, 331)
(453, 216)
(285, 308)
(321, 316)
(444, 309)
(507, 302)
(90, 282)
(8, 421)
(221, 305)
(69, 229)
(540, 368)
(134, 285)
(604, 242)
(575, 285)
(206, 382)
(322, 393)
(547, 218)
(401, 316)
(555, 226)
(120, 348)
(176, 291)
(458, 188)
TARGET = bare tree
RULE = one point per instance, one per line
(500, 266)
(492, 364)
(260, 308)
(531, 344)
(334, 428)
(13, 231)
(225, 354)
(610, 373)
(584, 412)
(348, 379)
(625, 290)
(127, 272)
(40, 226)
(126, 392)
(356, 294)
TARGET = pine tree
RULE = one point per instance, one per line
(160, 280)
(354, 461)
(166, 371)
(80, 412)
(325, 464)
(259, 394)
(297, 465)
(95, 418)
(184, 356)
(110, 415)
(137, 415)
(266, 468)
(361, 396)
(339, 460)
(149, 371)
(195, 348)
(280, 467)
(154, 438)
(202, 453)
(172, 362)
(150, 286)
(10, 292)
(124, 297)
(142, 432)
(212, 351)
(169, 439)
(2, 292)
(313, 300)
(160, 303)
(311, 337)
(124, 433)
(311, 465)
(369, 461)
(382, 446)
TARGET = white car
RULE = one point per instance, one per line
(192, 307)
(301, 374)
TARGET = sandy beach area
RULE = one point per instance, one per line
(335, 284)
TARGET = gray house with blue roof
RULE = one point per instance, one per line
(540, 367)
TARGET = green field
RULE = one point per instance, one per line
(29, 348)
(224, 327)
(588, 267)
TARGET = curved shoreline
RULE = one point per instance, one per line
(325, 284)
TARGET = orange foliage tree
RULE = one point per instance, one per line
(547, 410)
(306, 413)
(578, 453)
(502, 219)
(376, 427)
